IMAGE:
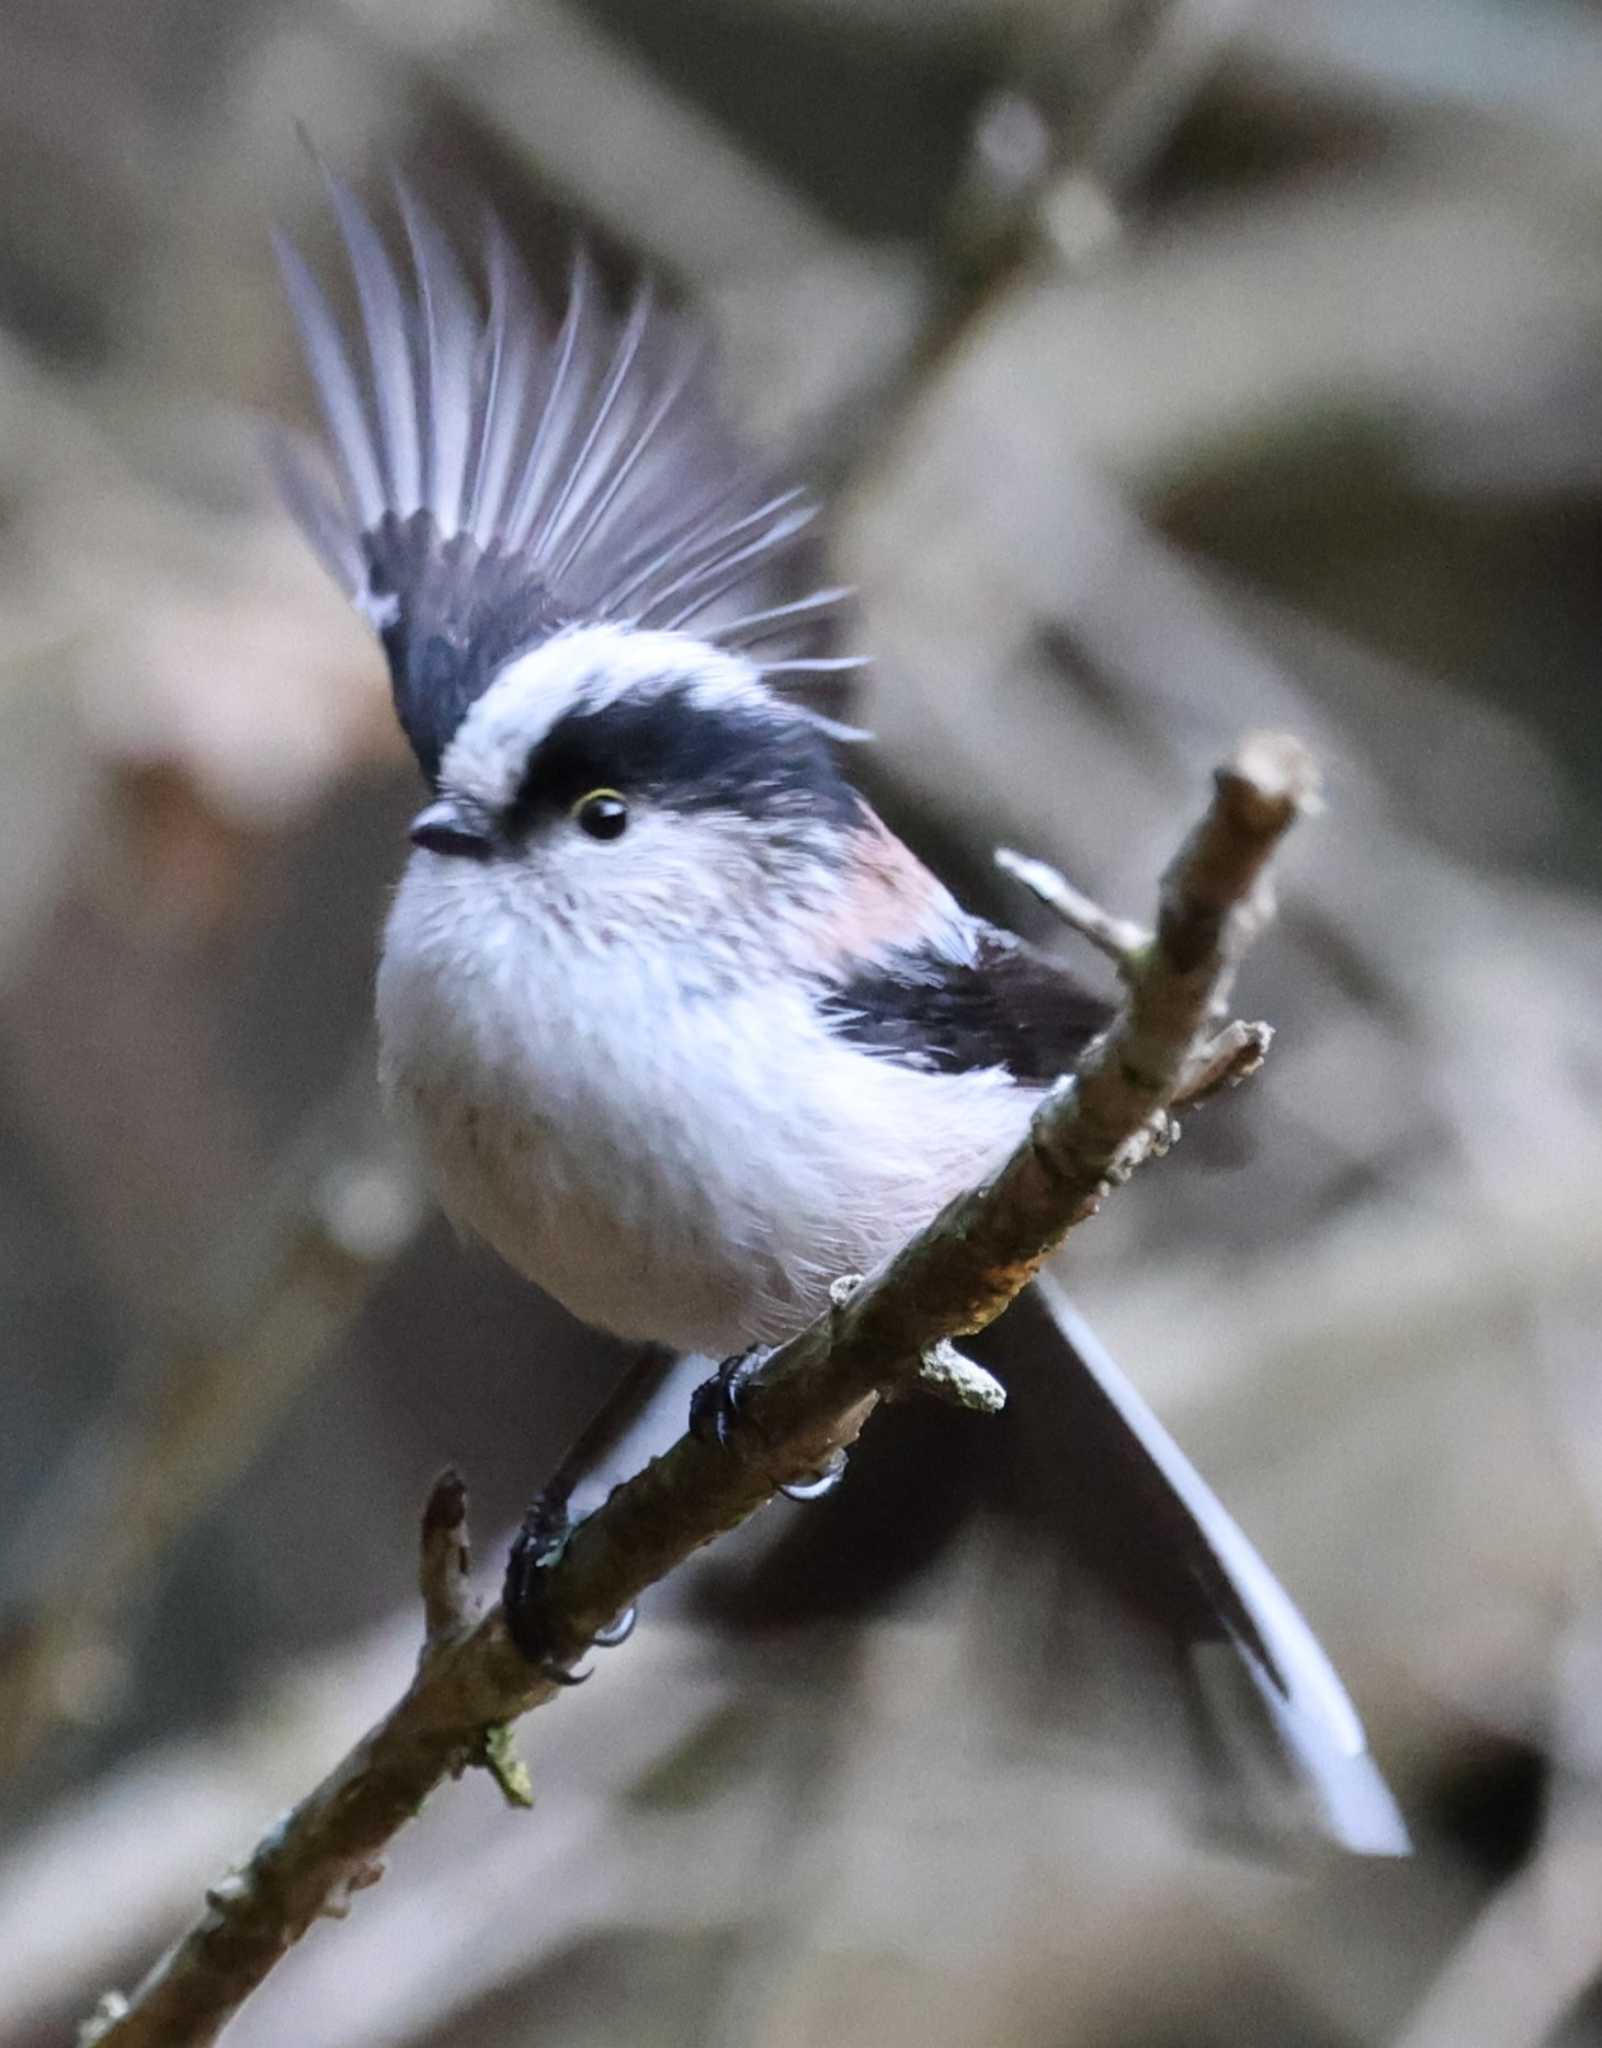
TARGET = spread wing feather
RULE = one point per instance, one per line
(494, 481)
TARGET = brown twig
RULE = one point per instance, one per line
(1120, 938)
(808, 1399)
(446, 1560)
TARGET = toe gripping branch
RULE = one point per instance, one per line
(537, 1545)
(716, 1417)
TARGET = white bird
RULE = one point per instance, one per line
(686, 1032)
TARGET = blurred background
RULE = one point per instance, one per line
(1171, 367)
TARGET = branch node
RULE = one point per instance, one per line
(497, 1754)
(445, 1561)
(227, 1892)
(1123, 941)
(1165, 1132)
(360, 1878)
(949, 1376)
(1229, 1057)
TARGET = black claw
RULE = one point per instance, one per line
(617, 1631)
(535, 1548)
(558, 1674)
(715, 1415)
(820, 1485)
(543, 1536)
(715, 1404)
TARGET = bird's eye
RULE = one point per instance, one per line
(603, 814)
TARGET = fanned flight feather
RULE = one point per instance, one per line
(495, 483)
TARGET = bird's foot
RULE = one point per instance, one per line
(537, 1546)
(715, 1416)
(715, 1404)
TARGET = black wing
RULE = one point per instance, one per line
(496, 480)
(1008, 1006)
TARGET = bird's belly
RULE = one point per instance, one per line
(599, 1268)
(691, 1172)
(639, 1260)
(642, 1207)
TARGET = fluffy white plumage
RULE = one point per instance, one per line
(686, 1068)
(615, 1053)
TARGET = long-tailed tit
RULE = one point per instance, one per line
(685, 1030)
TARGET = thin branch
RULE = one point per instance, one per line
(446, 1561)
(950, 1376)
(809, 1399)
(1120, 938)
(1223, 1062)
(1235, 1053)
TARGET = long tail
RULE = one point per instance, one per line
(1152, 1530)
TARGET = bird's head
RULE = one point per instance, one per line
(635, 780)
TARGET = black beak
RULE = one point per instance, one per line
(446, 827)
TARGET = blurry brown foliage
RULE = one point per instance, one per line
(1178, 368)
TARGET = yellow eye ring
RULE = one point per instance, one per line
(601, 813)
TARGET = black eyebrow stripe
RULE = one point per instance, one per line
(757, 760)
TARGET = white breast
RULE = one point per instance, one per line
(673, 1161)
